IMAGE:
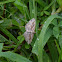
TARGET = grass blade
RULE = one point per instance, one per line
(1, 46)
(2, 38)
(47, 36)
(4, 2)
(42, 34)
(5, 31)
(14, 57)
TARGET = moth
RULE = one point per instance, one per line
(30, 30)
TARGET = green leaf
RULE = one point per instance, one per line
(22, 7)
(21, 39)
(19, 6)
(46, 12)
(60, 24)
(2, 38)
(46, 57)
(35, 47)
(61, 54)
(47, 7)
(14, 22)
(56, 31)
(27, 46)
(6, 23)
(42, 3)
(47, 36)
(1, 46)
(42, 35)
(60, 41)
(1, 21)
(53, 50)
(54, 22)
(59, 2)
(14, 57)
(42, 13)
(31, 8)
(5, 31)
(4, 2)
(41, 43)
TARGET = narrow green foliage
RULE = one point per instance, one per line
(46, 45)
(5, 31)
(6, 2)
(1, 46)
(2, 38)
(56, 31)
(53, 50)
(41, 36)
(14, 57)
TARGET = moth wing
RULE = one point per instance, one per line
(28, 37)
(30, 26)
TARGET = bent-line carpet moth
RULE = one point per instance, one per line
(30, 30)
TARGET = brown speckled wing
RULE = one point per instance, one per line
(28, 37)
(30, 26)
(30, 29)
